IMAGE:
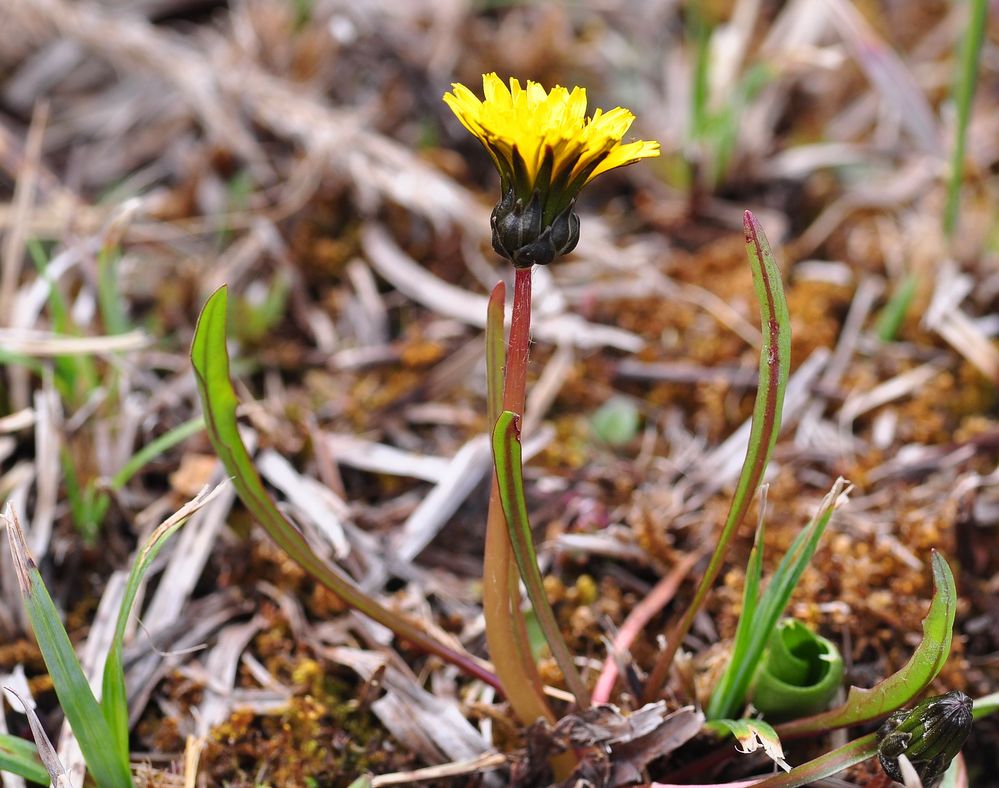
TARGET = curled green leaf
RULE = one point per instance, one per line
(799, 675)
(866, 705)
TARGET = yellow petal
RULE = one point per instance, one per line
(626, 154)
(532, 121)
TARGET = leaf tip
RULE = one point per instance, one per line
(23, 562)
(498, 293)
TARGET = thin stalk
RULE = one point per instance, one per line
(506, 637)
(515, 400)
(964, 92)
(515, 381)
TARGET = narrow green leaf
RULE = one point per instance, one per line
(866, 705)
(986, 705)
(155, 448)
(964, 92)
(720, 705)
(114, 703)
(735, 681)
(775, 365)
(510, 478)
(891, 317)
(218, 401)
(495, 352)
(77, 701)
(825, 765)
(99, 501)
(20, 757)
(109, 298)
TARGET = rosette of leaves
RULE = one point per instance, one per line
(799, 674)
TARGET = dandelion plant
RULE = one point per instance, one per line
(546, 150)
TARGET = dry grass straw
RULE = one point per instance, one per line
(130, 125)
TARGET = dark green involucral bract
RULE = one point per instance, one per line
(929, 735)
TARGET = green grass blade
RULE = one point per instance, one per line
(20, 757)
(891, 317)
(775, 365)
(114, 703)
(77, 374)
(218, 401)
(964, 92)
(718, 706)
(866, 705)
(735, 682)
(155, 448)
(510, 478)
(77, 701)
(109, 298)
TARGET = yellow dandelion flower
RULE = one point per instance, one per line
(546, 149)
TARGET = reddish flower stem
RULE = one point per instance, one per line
(506, 632)
(515, 383)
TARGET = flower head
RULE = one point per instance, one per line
(546, 149)
(930, 736)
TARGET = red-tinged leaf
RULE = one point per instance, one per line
(825, 765)
(775, 365)
(866, 705)
(219, 401)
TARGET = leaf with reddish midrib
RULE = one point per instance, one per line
(218, 400)
(866, 705)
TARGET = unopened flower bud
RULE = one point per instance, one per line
(546, 148)
(521, 235)
(929, 735)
